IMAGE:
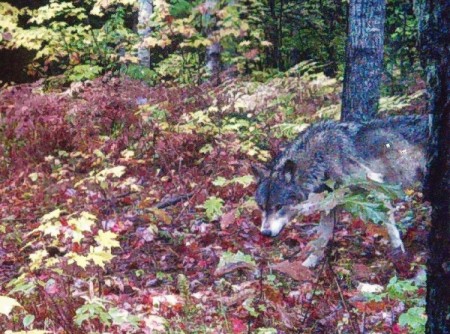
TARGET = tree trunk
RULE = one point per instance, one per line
(213, 51)
(145, 11)
(213, 62)
(434, 37)
(363, 60)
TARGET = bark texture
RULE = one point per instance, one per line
(145, 11)
(434, 43)
(364, 59)
(213, 51)
(213, 62)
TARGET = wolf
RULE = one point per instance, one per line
(391, 150)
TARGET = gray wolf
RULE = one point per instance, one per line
(389, 150)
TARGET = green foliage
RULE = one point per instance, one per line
(137, 72)
(415, 319)
(407, 291)
(401, 54)
(96, 309)
(229, 258)
(83, 72)
(364, 198)
(213, 207)
(245, 181)
(396, 103)
(69, 37)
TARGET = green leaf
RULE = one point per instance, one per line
(28, 320)
(244, 180)
(360, 206)
(213, 206)
(220, 181)
(415, 318)
(228, 258)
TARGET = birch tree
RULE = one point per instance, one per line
(145, 11)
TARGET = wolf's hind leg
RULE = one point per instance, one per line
(316, 248)
(393, 232)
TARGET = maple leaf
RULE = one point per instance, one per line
(51, 215)
(213, 206)
(77, 236)
(81, 223)
(99, 256)
(37, 258)
(107, 239)
(79, 260)
(117, 171)
(52, 229)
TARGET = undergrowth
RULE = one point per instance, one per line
(129, 209)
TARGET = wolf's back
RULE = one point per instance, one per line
(413, 128)
(395, 147)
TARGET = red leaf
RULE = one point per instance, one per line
(239, 326)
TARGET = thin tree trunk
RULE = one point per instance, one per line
(145, 11)
(434, 43)
(213, 51)
(364, 59)
(213, 62)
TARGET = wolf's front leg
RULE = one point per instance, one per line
(316, 248)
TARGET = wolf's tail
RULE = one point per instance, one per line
(413, 128)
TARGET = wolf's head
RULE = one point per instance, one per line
(277, 196)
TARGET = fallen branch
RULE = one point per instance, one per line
(173, 200)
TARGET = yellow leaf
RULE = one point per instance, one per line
(50, 228)
(77, 236)
(51, 215)
(100, 257)
(107, 239)
(117, 171)
(80, 224)
(79, 260)
(127, 154)
(37, 258)
(7, 304)
(33, 176)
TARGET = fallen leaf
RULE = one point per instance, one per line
(227, 219)
(294, 270)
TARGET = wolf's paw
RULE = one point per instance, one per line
(397, 245)
(311, 261)
(377, 177)
(402, 261)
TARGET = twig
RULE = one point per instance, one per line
(342, 298)
(326, 260)
(173, 200)
(313, 293)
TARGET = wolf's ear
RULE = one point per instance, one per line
(289, 170)
(260, 172)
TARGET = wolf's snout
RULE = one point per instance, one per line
(266, 233)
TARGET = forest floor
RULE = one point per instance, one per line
(129, 209)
